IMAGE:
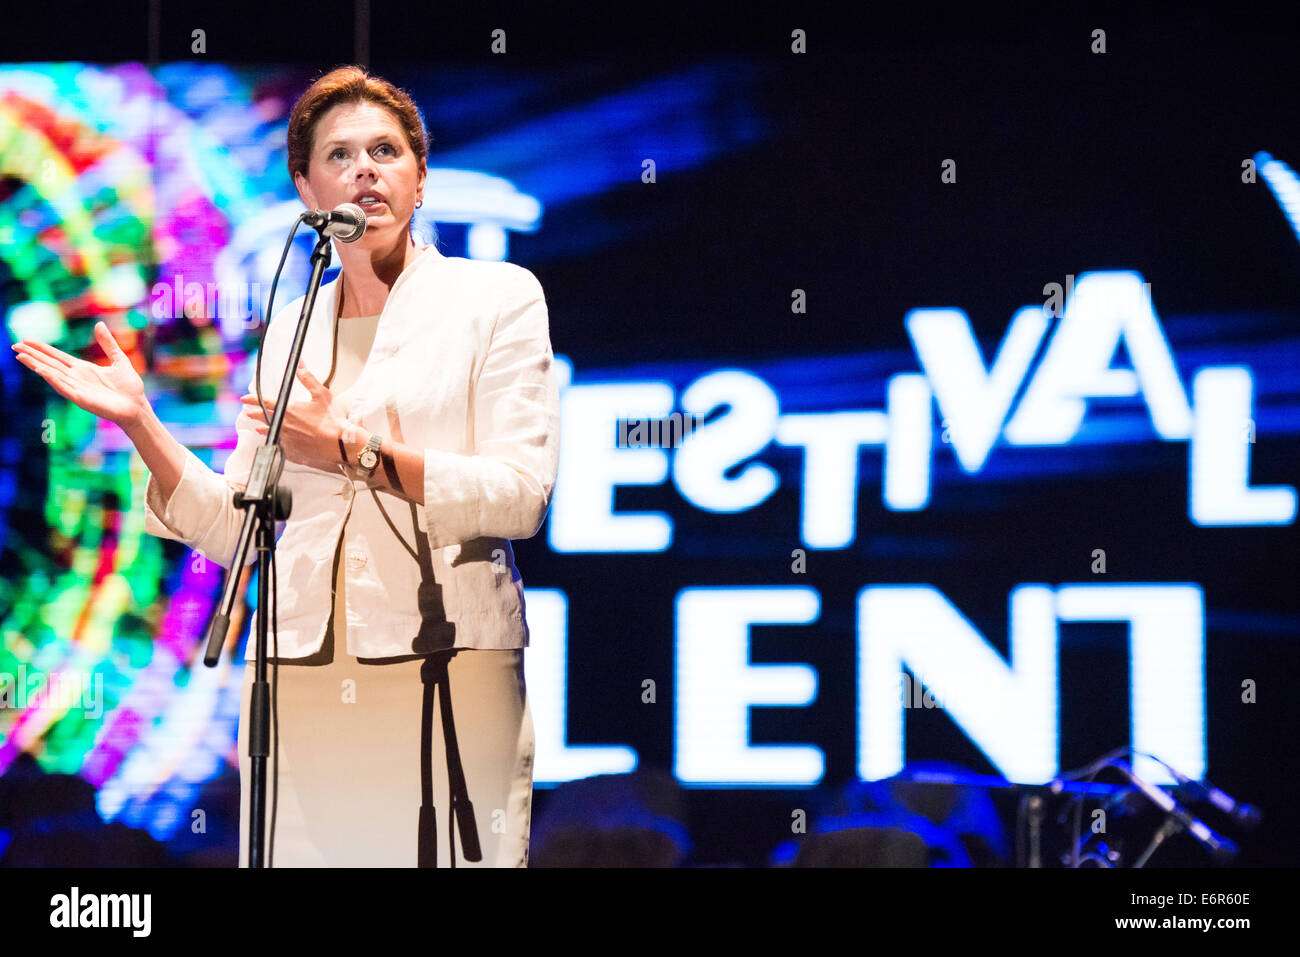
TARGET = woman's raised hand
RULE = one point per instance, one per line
(311, 430)
(114, 392)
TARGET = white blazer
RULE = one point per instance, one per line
(461, 366)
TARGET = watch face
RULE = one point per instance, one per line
(368, 458)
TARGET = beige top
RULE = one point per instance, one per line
(355, 336)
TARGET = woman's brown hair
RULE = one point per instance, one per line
(351, 84)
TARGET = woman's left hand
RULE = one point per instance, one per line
(310, 431)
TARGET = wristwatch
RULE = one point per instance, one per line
(368, 458)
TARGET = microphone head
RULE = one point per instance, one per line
(355, 214)
(1248, 815)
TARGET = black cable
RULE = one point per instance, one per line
(1075, 860)
(270, 307)
(1097, 767)
(1091, 770)
(393, 528)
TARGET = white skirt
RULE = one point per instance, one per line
(351, 781)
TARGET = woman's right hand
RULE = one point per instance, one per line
(114, 392)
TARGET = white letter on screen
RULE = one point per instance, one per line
(830, 469)
(1166, 667)
(909, 443)
(591, 465)
(545, 674)
(1009, 712)
(741, 432)
(1106, 307)
(1219, 484)
(717, 685)
(974, 402)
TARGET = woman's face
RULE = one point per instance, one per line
(360, 155)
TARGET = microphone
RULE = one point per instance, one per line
(1244, 814)
(346, 222)
(1221, 849)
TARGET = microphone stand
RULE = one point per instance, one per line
(1169, 827)
(264, 503)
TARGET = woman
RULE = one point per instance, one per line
(395, 585)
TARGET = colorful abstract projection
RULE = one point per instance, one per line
(109, 179)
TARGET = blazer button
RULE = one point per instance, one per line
(357, 560)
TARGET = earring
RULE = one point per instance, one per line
(419, 203)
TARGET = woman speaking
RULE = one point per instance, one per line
(421, 436)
